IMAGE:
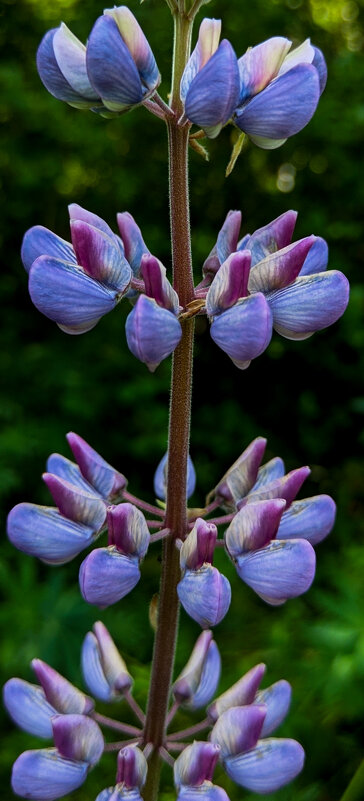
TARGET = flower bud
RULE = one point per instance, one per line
(59, 692)
(128, 530)
(196, 764)
(241, 476)
(106, 575)
(161, 475)
(198, 547)
(254, 526)
(244, 331)
(197, 683)
(103, 668)
(205, 594)
(104, 478)
(61, 63)
(78, 738)
(241, 693)
(157, 285)
(230, 283)
(226, 243)
(132, 768)
(238, 729)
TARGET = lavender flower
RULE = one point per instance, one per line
(301, 296)
(116, 71)
(261, 766)
(75, 285)
(152, 328)
(81, 493)
(193, 771)
(203, 591)
(49, 773)
(131, 776)
(107, 574)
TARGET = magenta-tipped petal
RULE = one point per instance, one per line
(107, 575)
(279, 269)
(152, 333)
(241, 693)
(196, 764)
(284, 107)
(198, 547)
(310, 518)
(271, 237)
(59, 692)
(99, 473)
(310, 304)
(254, 526)
(68, 471)
(128, 530)
(44, 775)
(39, 241)
(75, 503)
(238, 729)
(157, 285)
(214, 92)
(286, 487)
(267, 767)
(245, 330)
(78, 737)
(68, 296)
(277, 699)
(43, 532)
(230, 283)
(205, 594)
(132, 768)
(240, 477)
(28, 707)
(79, 214)
(100, 256)
(283, 569)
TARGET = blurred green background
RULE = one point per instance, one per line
(307, 398)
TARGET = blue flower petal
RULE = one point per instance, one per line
(311, 303)
(65, 294)
(284, 107)
(269, 472)
(317, 258)
(209, 679)
(310, 518)
(137, 44)
(92, 670)
(39, 241)
(107, 575)
(103, 478)
(160, 478)
(271, 237)
(283, 569)
(43, 775)
(152, 333)
(267, 767)
(214, 92)
(245, 330)
(43, 532)
(63, 468)
(111, 68)
(70, 55)
(277, 699)
(28, 707)
(206, 792)
(205, 594)
(76, 504)
(320, 64)
(52, 77)
(100, 256)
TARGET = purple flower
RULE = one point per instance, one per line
(152, 328)
(193, 771)
(116, 71)
(301, 296)
(107, 574)
(81, 493)
(210, 82)
(275, 569)
(104, 670)
(75, 285)
(131, 776)
(242, 693)
(120, 64)
(203, 591)
(261, 766)
(160, 478)
(198, 681)
(49, 773)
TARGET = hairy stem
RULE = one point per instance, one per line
(179, 424)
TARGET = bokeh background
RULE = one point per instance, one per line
(307, 398)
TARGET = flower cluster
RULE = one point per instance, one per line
(250, 286)
(269, 535)
(241, 721)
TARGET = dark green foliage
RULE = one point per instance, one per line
(307, 398)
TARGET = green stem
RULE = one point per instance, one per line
(179, 424)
